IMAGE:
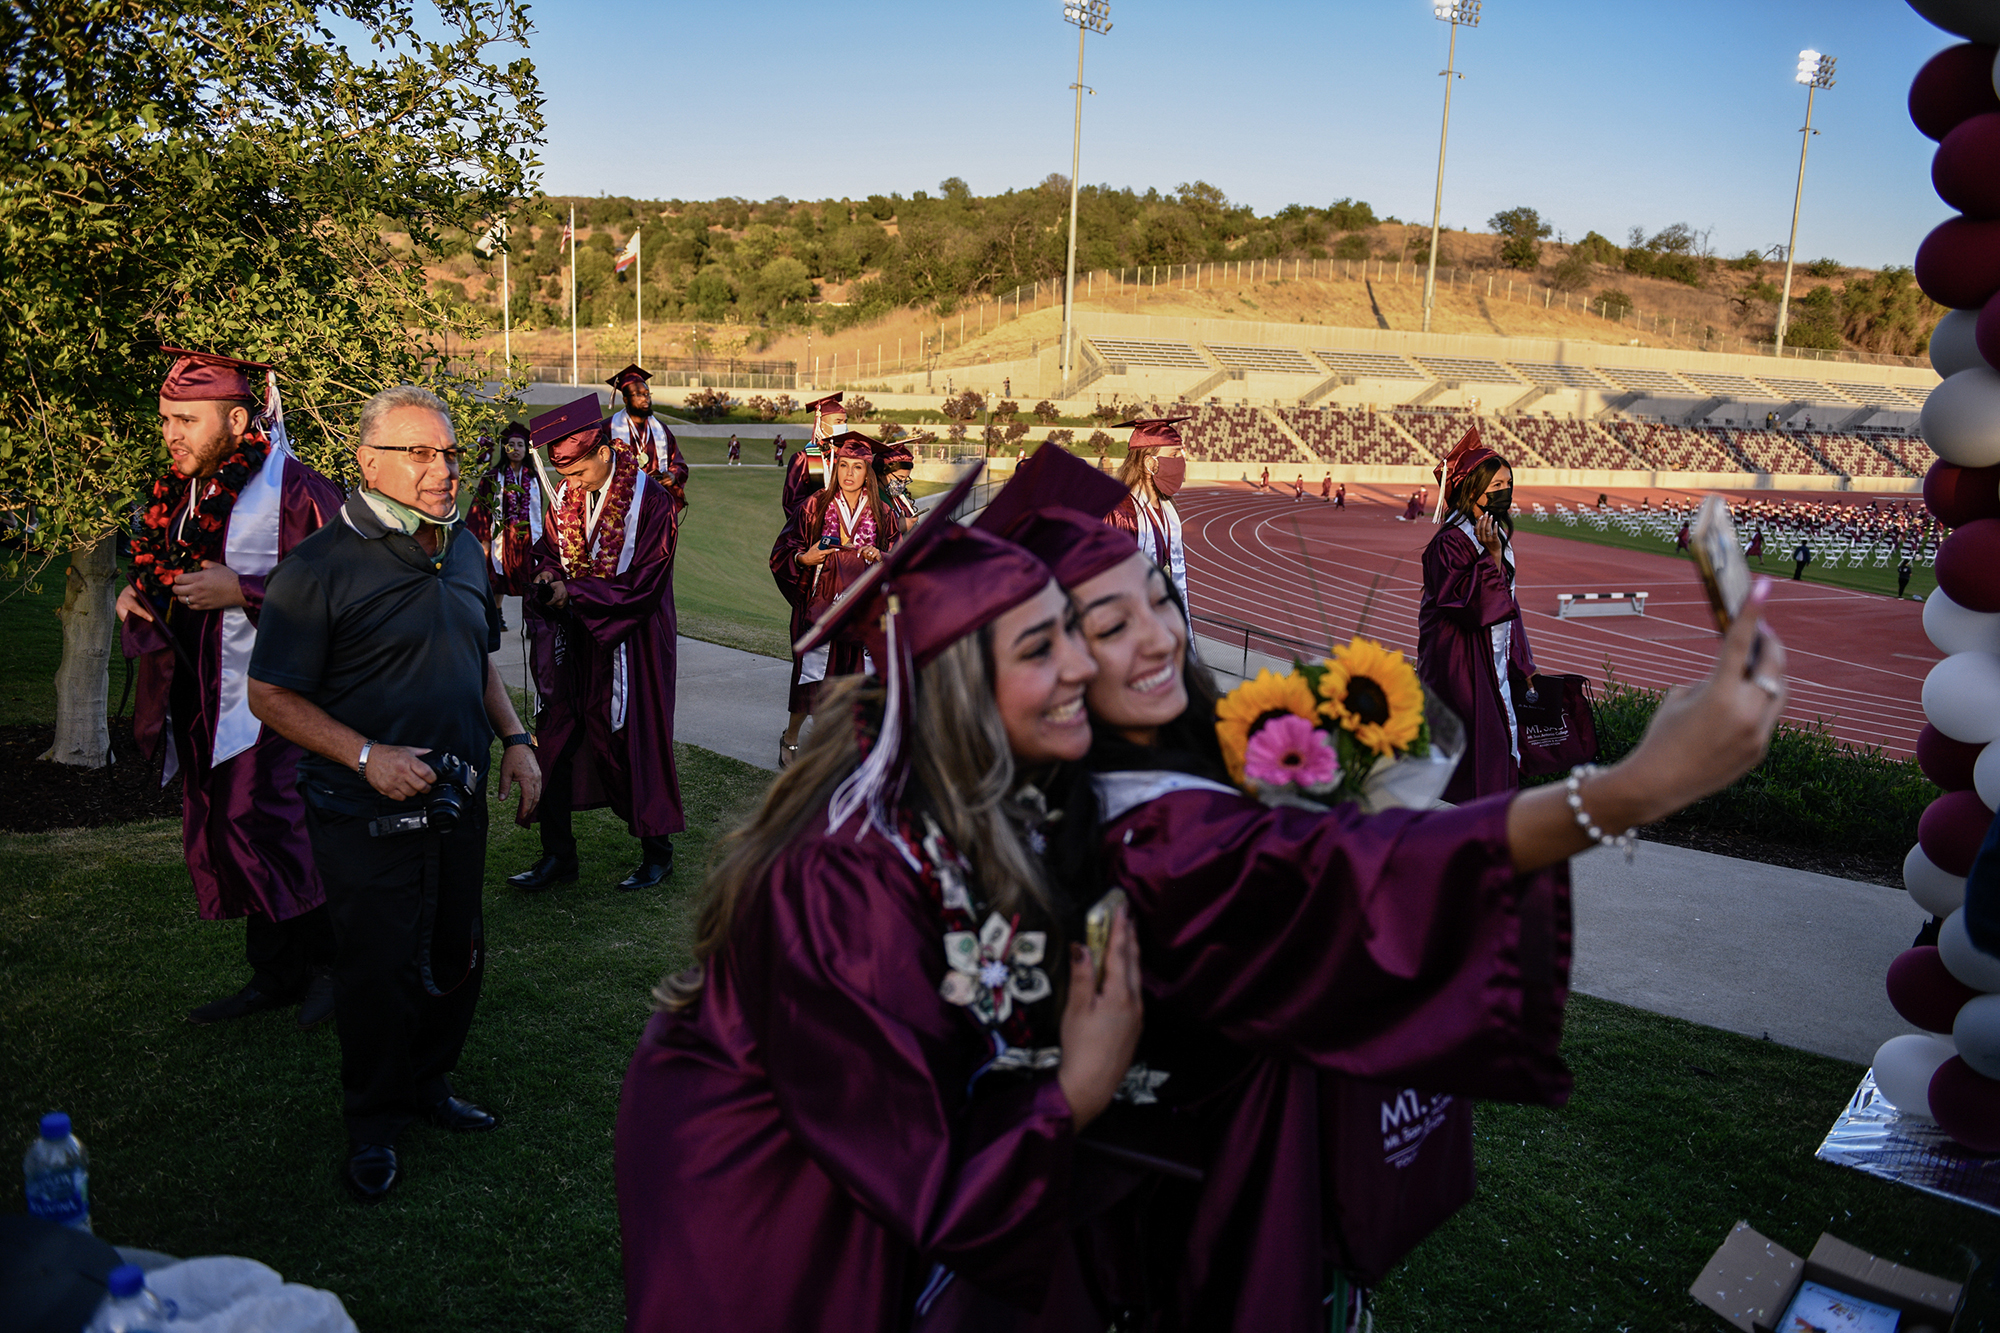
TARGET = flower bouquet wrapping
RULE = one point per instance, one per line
(1358, 727)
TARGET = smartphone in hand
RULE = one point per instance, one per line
(1097, 930)
(1725, 573)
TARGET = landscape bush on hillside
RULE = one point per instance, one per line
(1521, 232)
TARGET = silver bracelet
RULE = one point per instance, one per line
(361, 766)
(1574, 789)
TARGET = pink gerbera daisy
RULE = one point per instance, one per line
(1290, 751)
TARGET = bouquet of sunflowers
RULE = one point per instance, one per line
(1358, 726)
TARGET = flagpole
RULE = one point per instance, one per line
(639, 296)
(507, 311)
(573, 370)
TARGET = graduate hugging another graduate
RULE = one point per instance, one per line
(895, 1090)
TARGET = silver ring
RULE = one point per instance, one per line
(1766, 684)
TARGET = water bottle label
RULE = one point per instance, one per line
(62, 1197)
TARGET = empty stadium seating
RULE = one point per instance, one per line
(1341, 436)
(1804, 391)
(1572, 444)
(1647, 380)
(1773, 451)
(1678, 448)
(1729, 386)
(1855, 456)
(1873, 395)
(1436, 429)
(1146, 352)
(1556, 375)
(1236, 435)
(1467, 370)
(1370, 365)
(1266, 360)
(1911, 452)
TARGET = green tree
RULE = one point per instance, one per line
(1522, 232)
(1815, 320)
(1889, 313)
(221, 174)
(1596, 249)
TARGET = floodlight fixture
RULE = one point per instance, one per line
(1089, 16)
(1456, 13)
(1815, 71)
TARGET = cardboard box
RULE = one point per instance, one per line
(1750, 1280)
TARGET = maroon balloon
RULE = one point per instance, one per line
(1924, 990)
(1986, 333)
(1962, 169)
(1945, 761)
(1958, 264)
(1958, 495)
(1966, 1105)
(1951, 829)
(1955, 86)
(1968, 565)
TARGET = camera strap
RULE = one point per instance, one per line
(427, 921)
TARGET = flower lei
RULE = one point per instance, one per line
(513, 515)
(573, 544)
(159, 554)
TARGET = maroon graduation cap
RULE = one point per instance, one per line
(1054, 507)
(619, 380)
(567, 432)
(895, 454)
(938, 584)
(199, 376)
(1153, 432)
(853, 444)
(830, 403)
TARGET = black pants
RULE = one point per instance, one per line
(557, 803)
(1798, 568)
(399, 1040)
(282, 954)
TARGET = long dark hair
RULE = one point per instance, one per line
(1465, 493)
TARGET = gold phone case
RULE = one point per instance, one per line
(1097, 929)
(1725, 574)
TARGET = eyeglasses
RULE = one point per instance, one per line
(423, 455)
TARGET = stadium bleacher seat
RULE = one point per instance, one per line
(1873, 395)
(1438, 429)
(1678, 448)
(1339, 435)
(1370, 365)
(1558, 376)
(1911, 452)
(1915, 395)
(1644, 379)
(1571, 444)
(1855, 456)
(1460, 370)
(1804, 391)
(1236, 435)
(1146, 352)
(1774, 450)
(1729, 386)
(1265, 360)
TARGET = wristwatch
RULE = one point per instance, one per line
(518, 738)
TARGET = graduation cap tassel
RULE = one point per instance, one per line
(274, 414)
(871, 785)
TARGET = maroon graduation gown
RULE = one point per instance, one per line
(802, 480)
(241, 815)
(1464, 596)
(612, 672)
(820, 586)
(659, 452)
(800, 1148)
(1285, 950)
(510, 553)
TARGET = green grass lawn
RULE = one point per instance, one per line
(227, 1139)
(722, 577)
(33, 635)
(1777, 557)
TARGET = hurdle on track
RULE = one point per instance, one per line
(1570, 605)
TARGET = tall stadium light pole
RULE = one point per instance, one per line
(1453, 12)
(1815, 72)
(1089, 16)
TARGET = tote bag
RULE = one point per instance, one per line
(1558, 729)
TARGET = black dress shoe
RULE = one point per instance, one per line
(370, 1172)
(461, 1116)
(649, 875)
(318, 1005)
(546, 873)
(245, 1002)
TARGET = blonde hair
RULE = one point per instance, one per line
(961, 773)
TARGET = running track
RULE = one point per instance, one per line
(1857, 660)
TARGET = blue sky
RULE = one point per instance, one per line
(1602, 116)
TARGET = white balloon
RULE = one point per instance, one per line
(1952, 345)
(1964, 959)
(1974, 20)
(1962, 697)
(1977, 1035)
(1903, 1069)
(1953, 629)
(1986, 776)
(1930, 888)
(1961, 418)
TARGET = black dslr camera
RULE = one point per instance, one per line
(443, 807)
(542, 594)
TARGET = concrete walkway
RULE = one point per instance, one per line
(1739, 945)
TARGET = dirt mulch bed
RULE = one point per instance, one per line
(36, 795)
(1841, 865)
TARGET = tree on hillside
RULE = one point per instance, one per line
(1888, 313)
(1522, 232)
(221, 176)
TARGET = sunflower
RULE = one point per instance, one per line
(1251, 703)
(1373, 693)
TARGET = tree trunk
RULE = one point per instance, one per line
(83, 681)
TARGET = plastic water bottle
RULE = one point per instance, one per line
(58, 1172)
(130, 1308)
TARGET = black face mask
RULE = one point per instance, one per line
(1500, 503)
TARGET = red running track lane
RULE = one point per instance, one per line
(1303, 569)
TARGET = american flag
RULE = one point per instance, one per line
(568, 234)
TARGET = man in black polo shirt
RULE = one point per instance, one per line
(373, 655)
